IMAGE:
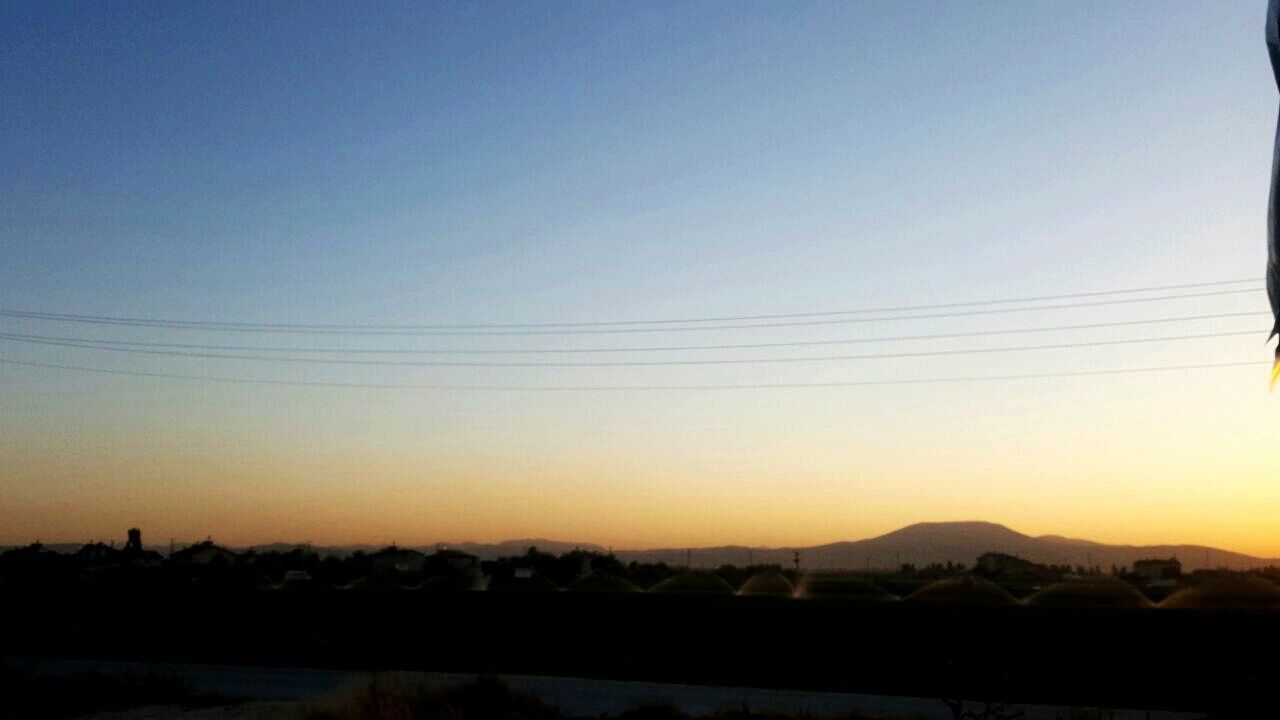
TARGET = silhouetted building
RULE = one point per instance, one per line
(134, 554)
(95, 554)
(203, 554)
(1002, 566)
(451, 561)
(1169, 569)
(35, 563)
(396, 559)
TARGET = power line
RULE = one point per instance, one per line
(631, 363)
(447, 330)
(647, 348)
(632, 388)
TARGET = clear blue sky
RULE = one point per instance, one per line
(509, 162)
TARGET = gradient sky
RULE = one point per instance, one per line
(537, 162)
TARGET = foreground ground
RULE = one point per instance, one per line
(417, 696)
(1192, 661)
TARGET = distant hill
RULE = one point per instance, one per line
(507, 548)
(920, 544)
(484, 551)
(956, 542)
(64, 548)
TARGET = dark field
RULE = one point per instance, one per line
(1205, 660)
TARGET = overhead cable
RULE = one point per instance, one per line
(644, 388)
(452, 330)
(634, 349)
(631, 363)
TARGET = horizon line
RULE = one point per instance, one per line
(616, 549)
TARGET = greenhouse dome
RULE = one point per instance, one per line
(598, 582)
(837, 586)
(515, 583)
(964, 590)
(1241, 592)
(374, 581)
(465, 582)
(768, 583)
(696, 581)
(1090, 592)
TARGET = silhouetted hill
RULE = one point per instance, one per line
(508, 548)
(484, 551)
(1068, 541)
(957, 542)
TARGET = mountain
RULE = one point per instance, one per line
(955, 542)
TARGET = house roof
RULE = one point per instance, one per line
(447, 554)
(203, 547)
(400, 553)
(98, 548)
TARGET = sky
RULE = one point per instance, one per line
(530, 163)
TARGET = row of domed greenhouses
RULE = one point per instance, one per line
(1234, 592)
